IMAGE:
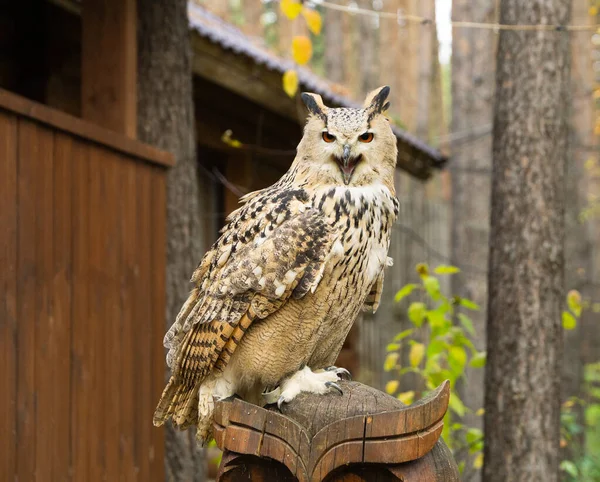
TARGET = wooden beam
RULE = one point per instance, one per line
(109, 64)
(86, 130)
(243, 76)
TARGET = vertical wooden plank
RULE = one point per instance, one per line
(104, 311)
(82, 351)
(28, 151)
(60, 339)
(143, 323)
(96, 315)
(8, 288)
(109, 64)
(129, 470)
(45, 342)
(159, 257)
(110, 370)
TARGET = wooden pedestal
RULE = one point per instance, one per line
(363, 435)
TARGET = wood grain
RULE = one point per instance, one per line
(129, 463)
(143, 355)
(81, 129)
(109, 65)
(158, 240)
(8, 287)
(83, 253)
(46, 343)
(61, 291)
(81, 351)
(27, 271)
(326, 437)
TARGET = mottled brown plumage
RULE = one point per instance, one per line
(276, 295)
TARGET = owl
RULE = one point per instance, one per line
(276, 295)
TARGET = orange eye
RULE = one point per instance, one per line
(366, 137)
(327, 137)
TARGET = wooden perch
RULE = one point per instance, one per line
(363, 435)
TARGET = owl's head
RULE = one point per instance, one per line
(354, 147)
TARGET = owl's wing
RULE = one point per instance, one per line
(374, 297)
(238, 281)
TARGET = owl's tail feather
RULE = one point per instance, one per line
(179, 402)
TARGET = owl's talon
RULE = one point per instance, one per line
(335, 386)
(304, 380)
(342, 373)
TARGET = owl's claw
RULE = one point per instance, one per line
(340, 372)
(305, 380)
(335, 386)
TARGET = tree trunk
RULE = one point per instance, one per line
(526, 268)
(166, 120)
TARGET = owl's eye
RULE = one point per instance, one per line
(366, 137)
(327, 137)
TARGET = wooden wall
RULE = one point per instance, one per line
(82, 257)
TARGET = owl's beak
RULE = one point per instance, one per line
(348, 163)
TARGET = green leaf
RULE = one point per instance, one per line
(446, 269)
(470, 305)
(417, 351)
(391, 386)
(436, 318)
(569, 322)
(456, 405)
(403, 334)
(405, 291)
(458, 357)
(466, 322)
(432, 285)
(569, 467)
(478, 462)
(473, 435)
(478, 361)
(416, 313)
(390, 361)
(459, 338)
(476, 447)
(438, 378)
(435, 347)
(393, 347)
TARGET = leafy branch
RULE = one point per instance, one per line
(444, 322)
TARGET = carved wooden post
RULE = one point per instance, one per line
(364, 435)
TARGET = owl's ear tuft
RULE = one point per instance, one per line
(375, 102)
(314, 104)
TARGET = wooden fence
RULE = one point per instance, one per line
(82, 263)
